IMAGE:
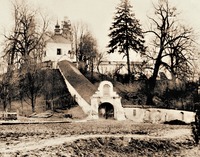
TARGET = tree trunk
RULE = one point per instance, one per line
(128, 66)
(152, 80)
(92, 69)
(22, 105)
(150, 91)
(33, 104)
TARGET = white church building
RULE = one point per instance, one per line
(58, 48)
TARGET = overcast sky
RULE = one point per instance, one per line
(98, 14)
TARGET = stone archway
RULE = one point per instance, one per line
(106, 110)
(106, 103)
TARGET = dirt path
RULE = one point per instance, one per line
(38, 144)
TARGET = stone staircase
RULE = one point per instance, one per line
(78, 85)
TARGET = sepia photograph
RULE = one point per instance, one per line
(99, 78)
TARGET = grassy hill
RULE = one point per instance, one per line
(52, 93)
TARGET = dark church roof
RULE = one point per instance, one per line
(58, 38)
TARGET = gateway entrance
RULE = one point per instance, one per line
(106, 111)
(106, 103)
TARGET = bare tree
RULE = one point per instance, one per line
(26, 41)
(85, 47)
(88, 51)
(173, 45)
(25, 46)
(100, 57)
(181, 54)
(6, 85)
(31, 84)
(78, 30)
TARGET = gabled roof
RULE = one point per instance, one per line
(58, 38)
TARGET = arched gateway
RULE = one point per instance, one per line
(106, 110)
(106, 103)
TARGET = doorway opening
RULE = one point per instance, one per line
(106, 111)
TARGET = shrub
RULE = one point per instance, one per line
(175, 122)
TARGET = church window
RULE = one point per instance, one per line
(58, 51)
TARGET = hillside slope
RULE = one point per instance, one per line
(82, 85)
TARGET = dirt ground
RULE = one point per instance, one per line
(97, 138)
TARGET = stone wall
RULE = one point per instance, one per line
(157, 115)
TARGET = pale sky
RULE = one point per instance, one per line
(98, 14)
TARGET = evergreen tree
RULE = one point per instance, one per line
(126, 32)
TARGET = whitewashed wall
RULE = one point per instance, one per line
(51, 52)
(156, 115)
